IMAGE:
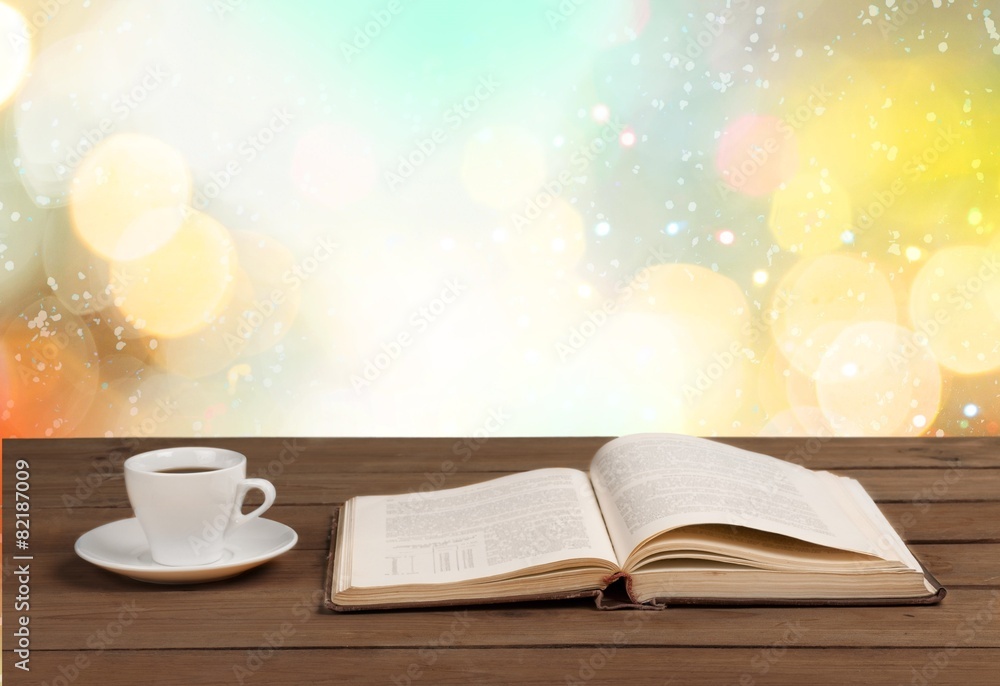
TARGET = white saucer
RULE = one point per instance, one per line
(121, 547)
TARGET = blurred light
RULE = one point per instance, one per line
(20, 241)
(81, 280)
(955, 303)
(850, 175)
(334, 165)
(90, 79)
(708, 322)
(798, 421)
(128, 196)
(51, 360)
(159, 405)
(184, 285)
(234, 375)
(756, 155)
(264, 304)
(809, 213)
(818, 298)
(503, 168)
(876, 378)
(15, 53)
(553, 240)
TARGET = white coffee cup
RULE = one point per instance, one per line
(187, 514)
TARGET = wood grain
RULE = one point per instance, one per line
(190, 617)
(366, 455)
(962, 522)
(943, 495)
(93, 488)
(778, 665)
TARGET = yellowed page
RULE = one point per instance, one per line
(460, 534)
(649, 483)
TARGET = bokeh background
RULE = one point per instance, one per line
(238, 217)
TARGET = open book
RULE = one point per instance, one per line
(676, 519)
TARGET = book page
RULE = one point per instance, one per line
(650, 483)
(482, 530)
(890, 546)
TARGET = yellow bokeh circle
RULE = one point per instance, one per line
(15, 51)
(265, 301)
(128, 196)
(552, 238)
(879, 379)
(955, 304)
(185, 284)
(715, 331)
(810, 214)
(818, 298)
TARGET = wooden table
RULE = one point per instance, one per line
(88, 626)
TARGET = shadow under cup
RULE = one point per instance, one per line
(188, 500)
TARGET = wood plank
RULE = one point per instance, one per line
(88, 472)
(782, 664)
(81, 457)
(962, 564)
(56, 530)
(882, 453)
(76, 483)
(321, 486)
(945, 522)
(919, 486)
(62, 573)
(151, 617)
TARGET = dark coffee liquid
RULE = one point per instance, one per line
(187, 470)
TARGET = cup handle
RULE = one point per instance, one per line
(238, 518)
